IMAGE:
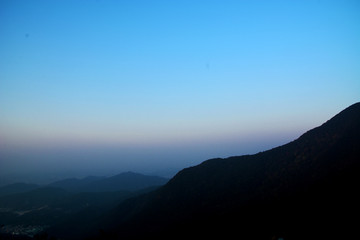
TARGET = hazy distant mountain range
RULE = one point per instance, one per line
(17, 188)
(127, 181)
(306, 189)
(26, 209)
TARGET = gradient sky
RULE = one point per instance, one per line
(150, 85)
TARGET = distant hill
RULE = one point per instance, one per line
(17, 188)
(75, 184)
(306, 189)
(127, 181)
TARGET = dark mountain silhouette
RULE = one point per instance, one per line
(306, 189)
(17, 188)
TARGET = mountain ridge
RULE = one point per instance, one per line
(311, 172)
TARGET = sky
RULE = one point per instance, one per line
(102, 87)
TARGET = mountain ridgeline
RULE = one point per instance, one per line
(306, 189)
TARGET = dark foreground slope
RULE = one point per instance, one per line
(306, 189)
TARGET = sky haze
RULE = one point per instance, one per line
(102, 87)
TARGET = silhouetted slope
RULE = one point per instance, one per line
(306, 189)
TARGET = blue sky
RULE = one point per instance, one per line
(159, 74)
